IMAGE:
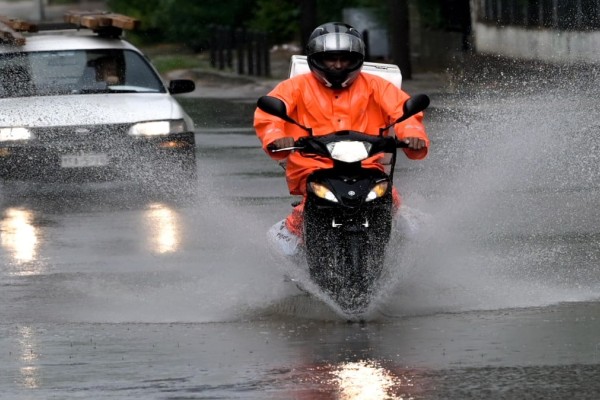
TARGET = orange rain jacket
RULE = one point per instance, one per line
(370, 103)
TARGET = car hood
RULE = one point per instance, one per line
(90, 109)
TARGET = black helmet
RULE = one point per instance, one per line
(335, 38)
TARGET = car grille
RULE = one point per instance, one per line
(96, 137)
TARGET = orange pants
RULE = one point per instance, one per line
(295, 220)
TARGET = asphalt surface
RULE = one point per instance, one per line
(112, 292)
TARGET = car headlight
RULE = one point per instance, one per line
(10, 134)
(322, 192)
(377, 191)
(157, 128)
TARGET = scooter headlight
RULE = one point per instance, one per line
(322, 192)
(377, 191)
(349, 151)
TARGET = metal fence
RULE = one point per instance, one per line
(247, 50)
(559, 14)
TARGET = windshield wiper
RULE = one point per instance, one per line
(107, 90)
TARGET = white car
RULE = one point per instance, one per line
(86, 104)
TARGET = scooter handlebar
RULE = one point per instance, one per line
(301, 144)
(273, 149)
(401, 144)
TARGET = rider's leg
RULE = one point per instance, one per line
(295, 220)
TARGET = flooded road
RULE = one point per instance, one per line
(109, 291)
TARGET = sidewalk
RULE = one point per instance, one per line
(219, 84)
(214, 83)
(471, 73)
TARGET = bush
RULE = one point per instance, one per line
(183, 21)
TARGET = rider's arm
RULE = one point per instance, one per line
(270, 129)
(411, 129)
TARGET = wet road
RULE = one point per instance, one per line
(111, 291)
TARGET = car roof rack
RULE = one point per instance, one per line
(11, 28)
(103, 23)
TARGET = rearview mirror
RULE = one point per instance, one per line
(276, 107)
(416, 104)
(412, 106)
(178, 86)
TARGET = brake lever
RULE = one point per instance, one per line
(298, 145)
(401, 144)
(273, 150)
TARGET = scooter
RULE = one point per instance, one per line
(348, 208)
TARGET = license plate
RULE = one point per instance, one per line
(84, 160)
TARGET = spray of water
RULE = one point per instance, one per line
(505, 204)
(199, 260)
(511, 178)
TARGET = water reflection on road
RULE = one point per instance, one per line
(19, 236)
(163, 228)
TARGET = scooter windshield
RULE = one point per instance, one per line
(349, 151)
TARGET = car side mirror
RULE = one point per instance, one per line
(178, 86)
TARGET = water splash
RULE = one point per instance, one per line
(510, 188)
(509, 191)
(509, 184)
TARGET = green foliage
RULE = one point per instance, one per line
(144, 10)
(331, 10)
(147, 12)
(184, 21)
(431, 13)
(190, 21)
(281, 19)
(278, 18)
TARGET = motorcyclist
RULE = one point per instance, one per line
(335, 96)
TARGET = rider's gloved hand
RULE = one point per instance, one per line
(282, 143)
(414, 143)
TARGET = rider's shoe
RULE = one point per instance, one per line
(283, 241)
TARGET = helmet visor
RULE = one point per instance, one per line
(336, 42)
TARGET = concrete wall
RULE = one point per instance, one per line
(543, 44)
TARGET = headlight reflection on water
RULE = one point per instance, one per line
(164, 232)
(357, 380)
(29, 357)
(19, 235)
(367, 380)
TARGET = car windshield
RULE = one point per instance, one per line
(70, 72)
